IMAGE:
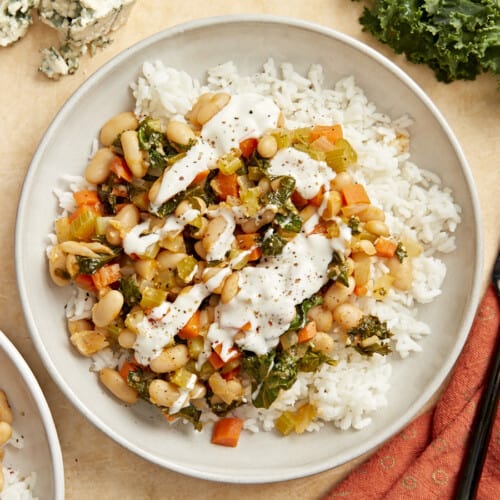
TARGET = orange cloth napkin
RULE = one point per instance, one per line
(424, 460)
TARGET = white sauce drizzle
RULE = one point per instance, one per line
(245, 115)
(223, 243)
(309, 174)
(200, 157)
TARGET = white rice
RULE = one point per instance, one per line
(416, 205)
(17, 486)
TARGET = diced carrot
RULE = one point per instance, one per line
(120, 168)
(385, 247)
(246, 326)
(86, 282)
(250, 241)
(247, 147)
(227, 431)
(107, 274)
(228, 185)
(307, 333)
(298, 200)
(215, 360)
(331, 132)
(355, 194)
(192, 328)
(200, 177)
(86, 197)
(233, 353)
(317, 199)
(360, 290)
(126, 368)
(319, 228)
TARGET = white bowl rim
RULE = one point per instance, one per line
(468, 315)
(46, 416)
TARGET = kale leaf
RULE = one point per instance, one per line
(366, 336)
(457, 39)
(302, 309)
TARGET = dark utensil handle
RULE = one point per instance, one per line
(484, 419)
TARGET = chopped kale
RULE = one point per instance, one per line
(281, 196)
(291, 222)
(354, 223)
(302, 309)
(221, 409)
(272, 244)
(338, 270)
(312, 360)
(269, 374)
(89, 265)
(130, 291)
(139, 380)
(191, 414)
(401, 252)
(366, 337)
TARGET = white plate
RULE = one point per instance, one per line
(249, 41)
(41, 452)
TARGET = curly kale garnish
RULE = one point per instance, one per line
(302, 309)
(338, 270)
(370, 336)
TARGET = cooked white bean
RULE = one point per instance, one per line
(88, 342)
(163, 393)
(230, 288)
(227, 390)
(5, 432)
(169, 260)
(179, 133)
(5, 411)
(370, 213)
(347, 315)
(126, 339)
(267, 146)
(170, 359)
(341, 180)
(108, 308)
(323, 318)
(99, 167)
(211, 107)
(323, 342)
(338, 293)
(116, 125)
(146, 268)
(57, 266)
(133, 154)
(364, 246)
(79, 325)
(378, 227)
(402, 272)
(115, 383)
(214, 231)
(198, 391)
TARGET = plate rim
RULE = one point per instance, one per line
(411, 413)
(38, 395)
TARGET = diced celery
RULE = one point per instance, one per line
(255, 173)
(101, 224)
(133, 318)
(152, 297)
(206, 370)
(283, 138)
(175, 243)
(250, 199)
(83, 227)
(141, 200)
(239, 261)
(230, 163)
(183, 378)
(151, 251)
(316, 154)
(302, 135)
(186, 268)
(166, 279)
(62, 227)
(285, 423)
(342, 156)
(195, 346)
(288, 339)
(304, 416)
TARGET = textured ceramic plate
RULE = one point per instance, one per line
(249, 41)
(41, 452)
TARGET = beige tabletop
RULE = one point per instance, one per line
(95, 466)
